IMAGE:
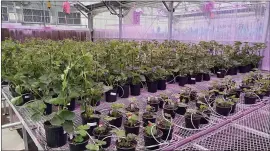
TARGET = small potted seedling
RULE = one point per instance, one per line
(233, 99)
(96, 145)
(250, 96)
(91, 118)
(162, 98)
(79, 140)
(149, 115)
(117, 115)
(260, 92)
(132, 124)
(205, 113)
(103, 133)
(154, 102)
(132, 107)
(125, 142)
(223, 107)
(181, 107)
(150, 131)
(166, 127)
(170, 108)
(205, 97)
(192, 119)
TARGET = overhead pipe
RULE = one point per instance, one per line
(199, 134)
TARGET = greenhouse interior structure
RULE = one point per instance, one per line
(135, 75)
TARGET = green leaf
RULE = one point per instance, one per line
(56, 101)
(36, 117)
(57, 120)
(82, 132)
(142, 77)
(17, 100)
(83, 127)
(107, 88)
(92, 147)
(68, 126)
(18, 89)
(78, 139)
(67, 115)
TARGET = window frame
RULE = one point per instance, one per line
(32, 15)
(6, 14)
(58, 18)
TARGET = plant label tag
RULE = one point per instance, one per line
(65, 132)
(27, 97)
(92, 124)
(112, 93)
(193, 79)
(68, 104)
(218, 72)
(70, 136)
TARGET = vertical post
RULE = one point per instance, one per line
(44, 18)
(170, 19)
(90, 25)
(25, 138)
(120, 22)
(10, 112)
(266, 23)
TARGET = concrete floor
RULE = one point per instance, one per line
(11, 140)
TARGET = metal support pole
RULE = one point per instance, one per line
(90, 25)
(120, 22)
(170, 19)
(11, 125)
(25, 138)
(267, 23)
(10, 112)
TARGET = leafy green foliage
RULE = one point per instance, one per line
(150, 129)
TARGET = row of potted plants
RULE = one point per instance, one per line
(45, 73)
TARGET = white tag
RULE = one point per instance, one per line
(92, 124)
(65, 132)
(193, 78)
(218, 72)
(27, 96)
(70, 136)
(112, 93)
(148, 99)
(68, 104)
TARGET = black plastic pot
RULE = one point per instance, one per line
(169, 111)
(233, 108)
(27, 97)
(136, 110)
(161, 85)
(267, 93)
(55, 136)
(111, 95)
(150, 141)
(161, 102)
(243, 69)
(181, 110)
(145, 120)
(71, 106)
(191, 79)
(205, 120)
(79, 146)
(101, 137)
(206, 77)
(133, 148)
(170, 79)
(92, 122)
(182, 81)
(166, 132)
(199, 77)
(261, 95)
(95, 103)
(194, 123)
(116, 122)
(135, 90)
(225, 111)
(155, 105)
(124, 91)
(152, 86)
(221, 74)
(232, 71)
(250, 99)
(3, 82)
(134, 130)
(48, 109)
